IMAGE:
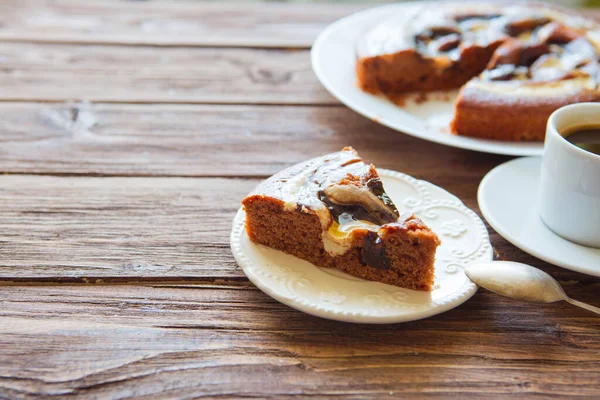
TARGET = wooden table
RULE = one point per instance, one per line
(129, 133)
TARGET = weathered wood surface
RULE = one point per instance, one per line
(210, 140)
(50, 72)
(95, 229)
(233, 341)
(124, 229)
(163, 23)
(135, 202)
(171, 23)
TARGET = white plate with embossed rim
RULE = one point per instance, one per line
(333, 58)
(332, 294)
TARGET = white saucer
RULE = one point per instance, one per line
(334, 295)
(507, 198)
(333, 58)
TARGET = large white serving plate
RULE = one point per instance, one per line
(335, 295)
(333, 60)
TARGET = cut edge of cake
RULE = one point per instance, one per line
(486, 114)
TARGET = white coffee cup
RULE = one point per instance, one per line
(569, 195)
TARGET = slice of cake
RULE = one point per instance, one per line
(334, 212)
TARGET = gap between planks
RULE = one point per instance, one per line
(75, 101)
(131, 175)
(174, 45)
(232, 283)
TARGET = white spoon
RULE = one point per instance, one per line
(521, 282)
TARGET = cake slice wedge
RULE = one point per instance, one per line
(334, 212)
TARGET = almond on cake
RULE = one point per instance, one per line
(334, 212)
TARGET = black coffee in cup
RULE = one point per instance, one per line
(586, 137)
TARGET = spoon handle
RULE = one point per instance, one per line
(583, 305)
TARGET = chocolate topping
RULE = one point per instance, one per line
(357, 212)
(470, 16)
(436, 32)
(518, 54)
(376, 187)
(449, 42)
(531, 53)
(519, 26)
(373, 252)
(556, 33)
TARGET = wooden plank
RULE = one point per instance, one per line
(88, 229)
(51, 72)
(94, 229)
(212, 140)
(164, 23)
(126, 341)
(175, 176)
(112, 230)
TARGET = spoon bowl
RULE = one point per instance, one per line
(520, 282)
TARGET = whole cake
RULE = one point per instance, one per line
(334, 212)
(515, 64)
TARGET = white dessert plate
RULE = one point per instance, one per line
(333, 60)
(507, 198)
(332, 294)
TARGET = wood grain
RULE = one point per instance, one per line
(51, 72)
(216, 340)
(169, 23)
(165, 23)
(211, 140)
(106, 229)
(116, 277)
(115, 230)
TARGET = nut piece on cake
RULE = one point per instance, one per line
(334, 212)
